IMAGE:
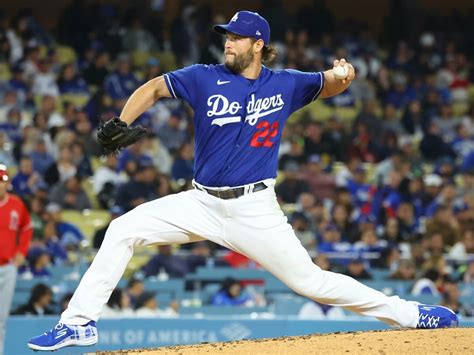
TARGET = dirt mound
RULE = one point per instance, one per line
(439, 341)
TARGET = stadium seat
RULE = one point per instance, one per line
(66, 54)
(287, 305)
(5, 73)
(139, 58)
(380, 274)
(167, 60)
(78, 100)
(87, 221)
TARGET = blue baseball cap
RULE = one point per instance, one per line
(248, 24)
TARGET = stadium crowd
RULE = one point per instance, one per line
(383, 172)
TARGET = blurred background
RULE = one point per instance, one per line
(377, 182)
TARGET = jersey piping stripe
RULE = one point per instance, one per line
(320, 88)
(170, 86)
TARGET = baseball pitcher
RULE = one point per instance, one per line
(240, 110)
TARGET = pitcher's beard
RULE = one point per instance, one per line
(240, 62)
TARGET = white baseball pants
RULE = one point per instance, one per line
(252, 225)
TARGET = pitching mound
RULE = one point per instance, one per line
(439, 341)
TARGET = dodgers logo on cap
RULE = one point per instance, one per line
(247, 24)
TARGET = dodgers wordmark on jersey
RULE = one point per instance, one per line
(238, 122)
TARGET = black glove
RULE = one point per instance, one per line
(114, 135)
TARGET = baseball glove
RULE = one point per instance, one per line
(114, 135)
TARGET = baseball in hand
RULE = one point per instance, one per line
(341, 72)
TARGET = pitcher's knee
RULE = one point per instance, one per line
(118, 229)
(308, 284)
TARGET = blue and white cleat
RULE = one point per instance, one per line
(63, 335)
(432, 317)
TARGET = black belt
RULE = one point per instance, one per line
(231, 193)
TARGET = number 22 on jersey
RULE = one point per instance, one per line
(265, 133)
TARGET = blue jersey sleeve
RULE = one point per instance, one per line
(307, 87)
(183, 83)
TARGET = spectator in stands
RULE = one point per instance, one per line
(26, 180)
(147, 307)
(41, 298)
(230, 294)
(106, 180)
(362, 145)
(70, 82)
(86, 136)
(139, 189)
(331, 241)
(97, 71)
(429, 284)
(316, 141)
(52, 243)
(451, 299)
(115, 212)
(446, 122)
(295, 156)
(302, 230)
(18, 83)
(321, 185)
(432, 145)
(81, 159)
(6, 151)
(432, 184)
(463, 142)
(201, 256)
(358, 270)
(172, 134)
(463, 248)
(406, 270)
(292, 186)
(12, 124)
(39, 262)
(69, 235)
(407, 223)
(392, 232)
(446, 197)
(389, 258)
(365, 223)
(44, 82)
(118, 305)
(166, 262)
(337, 134)
(444, 223)
(134, 153)
(413, 120)
(183, 166)
(152, 69)
(121, 84)
(62, 169)
(135, 288)
(137, 38)
(70, 194)
(434, 244)
(369, 242)
(41, 157)
(9, 102)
